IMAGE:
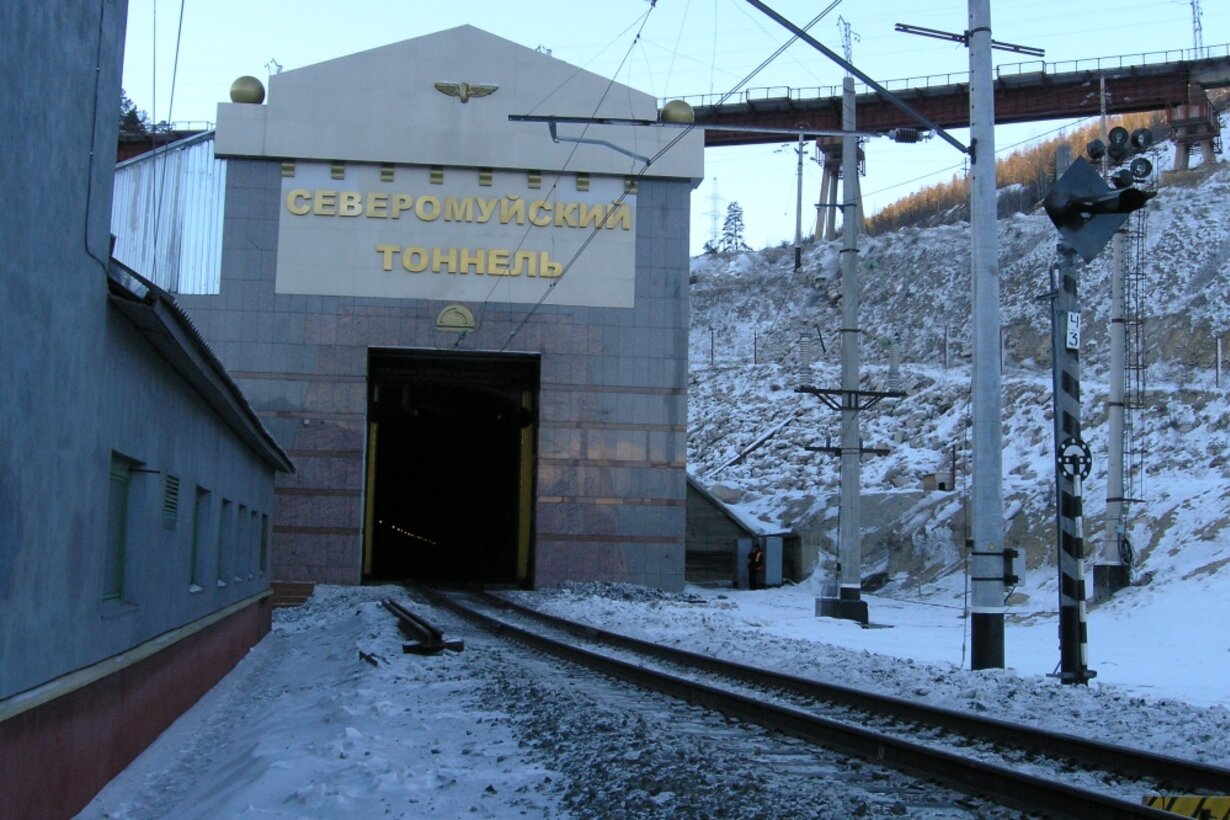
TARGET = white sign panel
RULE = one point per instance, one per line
(1073, 336)
(471, 236)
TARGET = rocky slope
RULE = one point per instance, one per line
(750, 311)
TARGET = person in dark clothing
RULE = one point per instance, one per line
(755, 568)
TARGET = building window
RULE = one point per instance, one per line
(264, 565)
(225, 522)
(254, 546)
(241, 543)
(117, 528)
(199, 509)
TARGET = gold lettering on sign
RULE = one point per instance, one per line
(464, 261)
(414, 259)
(377, 206)
(325, 203)
(349, 203)
(298, 201)
(511, 209)
(401, 202)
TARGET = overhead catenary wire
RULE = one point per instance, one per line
(644, 19)
(998, 151)
(160, 185)
(683, 132)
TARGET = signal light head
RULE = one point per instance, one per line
(1142, 138)
(1121, 178)
(1141, 168)
(1096, 149)
(1118, 136)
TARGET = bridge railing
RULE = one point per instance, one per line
(1090, 65)
(1122, 61)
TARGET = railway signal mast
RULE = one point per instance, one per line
(1087, 213)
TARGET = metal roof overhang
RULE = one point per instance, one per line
(169, 331)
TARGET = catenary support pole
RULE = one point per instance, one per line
(798, 212)
(987, 525)
(1109, 573)
(1072, 463)
(849, 593)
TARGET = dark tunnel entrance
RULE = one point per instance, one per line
(450, 466)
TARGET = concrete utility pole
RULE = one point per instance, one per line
(849, 603)
(798, 211)
(987, 507)
(1109, 573)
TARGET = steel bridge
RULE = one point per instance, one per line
(1171, 81)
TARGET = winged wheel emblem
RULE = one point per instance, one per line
(464, 91)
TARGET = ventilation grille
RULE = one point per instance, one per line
(170, 501)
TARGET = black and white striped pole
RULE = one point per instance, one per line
(1072, 465)
(1087, 213)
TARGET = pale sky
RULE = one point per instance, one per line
(686, 47)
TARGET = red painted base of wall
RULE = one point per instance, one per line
(56, 757)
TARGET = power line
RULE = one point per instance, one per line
(669, 145)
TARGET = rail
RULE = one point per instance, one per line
(995, 782)
(425, 638)
(1139, 763)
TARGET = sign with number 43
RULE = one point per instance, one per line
(1074, 331)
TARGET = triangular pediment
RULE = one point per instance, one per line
(445, 99)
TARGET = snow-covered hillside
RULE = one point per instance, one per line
(749, 312)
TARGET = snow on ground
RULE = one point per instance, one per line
(1162, 655)
(303, 727)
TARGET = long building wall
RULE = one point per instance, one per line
(115, 610)
(612, 404)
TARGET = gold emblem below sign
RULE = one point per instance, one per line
(455, 319)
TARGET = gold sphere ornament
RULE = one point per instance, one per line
(677, 111)
(247, 90)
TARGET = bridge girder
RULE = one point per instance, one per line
(1019, 98)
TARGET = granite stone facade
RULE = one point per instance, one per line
(612, 420)
(602, 479)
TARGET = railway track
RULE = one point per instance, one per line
(1029, 769)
